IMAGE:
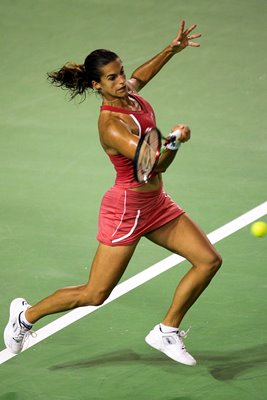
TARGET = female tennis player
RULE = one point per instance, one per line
(130, 209)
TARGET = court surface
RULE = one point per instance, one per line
(53, 174)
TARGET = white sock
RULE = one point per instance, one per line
(168, 329)
(23, 320)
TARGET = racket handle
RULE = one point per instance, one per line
(173, 140)
(176, 134)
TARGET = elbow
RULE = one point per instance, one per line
(160, 170)
(140, 83)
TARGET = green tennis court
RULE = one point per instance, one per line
(54, 173)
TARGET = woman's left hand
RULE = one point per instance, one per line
(183, 38)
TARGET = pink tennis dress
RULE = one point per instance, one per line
(127, 215)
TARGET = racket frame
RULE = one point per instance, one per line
(137, 153)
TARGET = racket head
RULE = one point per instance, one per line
(147, 155)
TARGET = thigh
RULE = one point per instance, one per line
(184, 237)
(109, 265)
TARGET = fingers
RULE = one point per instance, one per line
(190, 29)
(185, 132)
(193, 44)
(181, 28)
(196, 35)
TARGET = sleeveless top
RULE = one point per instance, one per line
(144, 119)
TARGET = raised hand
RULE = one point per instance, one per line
(184, 37)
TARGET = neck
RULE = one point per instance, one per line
(124, 102)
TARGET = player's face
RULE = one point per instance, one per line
(112, 81)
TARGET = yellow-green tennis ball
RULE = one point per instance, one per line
(259, 229)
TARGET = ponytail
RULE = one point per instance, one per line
(71, 76)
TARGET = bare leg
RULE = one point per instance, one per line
(184, 237)
(107, 268)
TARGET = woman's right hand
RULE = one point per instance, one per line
(185, 132)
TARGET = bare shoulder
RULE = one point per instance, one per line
(107, 122)
(110, 127)
(133, 85)
(110, 120)
(115, 135)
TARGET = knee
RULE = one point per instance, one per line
(93, 297)
(98, 298)
(215, 263)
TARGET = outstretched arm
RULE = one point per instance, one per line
(142, 75)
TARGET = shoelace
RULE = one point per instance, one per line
(24, 335)
(27, 334)
(181, 335)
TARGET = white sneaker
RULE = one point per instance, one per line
(170, 344)
(16, 332)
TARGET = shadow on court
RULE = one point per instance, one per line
(227, 366)
(126, 356)
(222, 366)
(10, 396)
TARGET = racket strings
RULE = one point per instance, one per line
(148, 155)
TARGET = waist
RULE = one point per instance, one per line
(153, 184)
(135, 193)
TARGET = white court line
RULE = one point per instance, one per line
(138, 279)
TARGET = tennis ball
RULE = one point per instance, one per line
(259, 229)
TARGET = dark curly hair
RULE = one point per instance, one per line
(77, 78)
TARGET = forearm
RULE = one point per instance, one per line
(142, 75)
(147, 71)
(180, 133)
(165, 160)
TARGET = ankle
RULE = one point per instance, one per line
(167, 329)
(26, 317)
(24, 323)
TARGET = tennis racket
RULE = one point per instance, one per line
(147, 154)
